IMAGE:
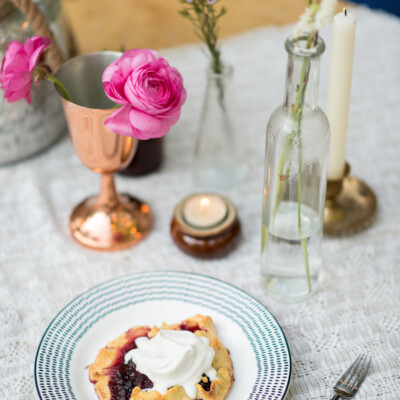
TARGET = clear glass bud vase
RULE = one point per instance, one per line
(296, 159)
(219, 157)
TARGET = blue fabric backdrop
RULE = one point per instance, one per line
(392, 6)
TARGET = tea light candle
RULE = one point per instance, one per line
(205, 225)
(344, 28)
(204, 211)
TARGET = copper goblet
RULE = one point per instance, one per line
(108, 221)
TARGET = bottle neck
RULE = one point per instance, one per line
(220, 78)
(302, 78)
(302, 81)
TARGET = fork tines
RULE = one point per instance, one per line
(355, 374)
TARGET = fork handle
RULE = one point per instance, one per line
(335, 397)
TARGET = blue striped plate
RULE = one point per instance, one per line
(259, 351)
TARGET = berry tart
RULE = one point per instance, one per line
(184, 361)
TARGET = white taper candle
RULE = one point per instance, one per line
(344, 28)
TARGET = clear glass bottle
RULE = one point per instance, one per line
(28, 129)
(219, 158)
(296, 159)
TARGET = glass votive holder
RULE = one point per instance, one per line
(205, 225)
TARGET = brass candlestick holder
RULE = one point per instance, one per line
(350, 205)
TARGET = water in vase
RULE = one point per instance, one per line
(287, 250)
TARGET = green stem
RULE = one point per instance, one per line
(280, 187)
(303, 240)
(296, 113)
(64, 92)
(305, 251)
(205, 19)
(299, 111)
(300, 104)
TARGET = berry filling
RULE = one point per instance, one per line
(190, 327)
(205, 383)
(125, 377)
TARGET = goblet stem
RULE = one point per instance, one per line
(108, 195)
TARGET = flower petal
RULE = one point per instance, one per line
(148, 125)
(118, 121)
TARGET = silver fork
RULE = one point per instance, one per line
(351, 380)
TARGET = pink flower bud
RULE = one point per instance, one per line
(150, 91)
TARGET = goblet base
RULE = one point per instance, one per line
(111, 228)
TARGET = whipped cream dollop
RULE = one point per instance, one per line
(174, 358)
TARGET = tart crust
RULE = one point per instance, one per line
(109, 356)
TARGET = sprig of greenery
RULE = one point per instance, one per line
(204, 16)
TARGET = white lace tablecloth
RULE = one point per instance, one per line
(357, 307)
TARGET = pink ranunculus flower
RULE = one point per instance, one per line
(19, 65)
(150, 92)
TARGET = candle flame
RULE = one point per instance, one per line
(204, 202)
